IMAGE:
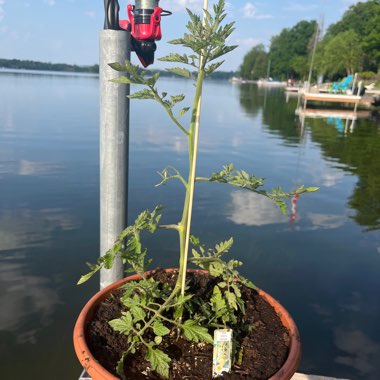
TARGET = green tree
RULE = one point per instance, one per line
(255, 63)
(364, 19)
(289, 51)
(341, 55)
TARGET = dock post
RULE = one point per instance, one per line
(359, 90)
(114, 44)
(354, 82)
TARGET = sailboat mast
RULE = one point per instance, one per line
(318, 30)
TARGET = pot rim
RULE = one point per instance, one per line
(94, 368)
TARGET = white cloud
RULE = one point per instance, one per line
(248, 42)
(300, 7)
(90, 14)
(250, 11)
(349, 2)
(50, 3)
(194, 5)
(2, 12)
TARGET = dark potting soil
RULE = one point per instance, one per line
(265, 347)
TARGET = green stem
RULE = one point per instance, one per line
(162, 317)
(159, 311)
(169, 112)
(185, 223)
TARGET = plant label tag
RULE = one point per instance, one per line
(222, 354)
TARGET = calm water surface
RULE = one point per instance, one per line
(322, 261)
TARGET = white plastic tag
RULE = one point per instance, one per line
(222, 354)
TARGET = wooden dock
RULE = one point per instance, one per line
(315, 113)
(336, 98)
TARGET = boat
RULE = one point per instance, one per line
(270, 82)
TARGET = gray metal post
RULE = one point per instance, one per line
(114, 146)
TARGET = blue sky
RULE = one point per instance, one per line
(67, 30)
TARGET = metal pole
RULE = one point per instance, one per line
(114, 144)
(313, 54)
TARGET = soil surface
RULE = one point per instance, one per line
(265, 347)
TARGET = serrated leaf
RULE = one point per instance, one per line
(216, 269)
(123, 324)
(247, 282)
(143, 94)
(212, 67)
(177, 98)
(195, 253)
(152, 81)
(183, 111)
(281, 204)
(174, 57)
(108, 259)
(311, 189)
(177, 41)
(231, 299)
(180, 71)
(87, 276)
(224, 246)
(124, 80)
(196, 333)
(138, 313)
(159, 328)
(117, 66)
(236, 289)
(159, 361)
(217, 301)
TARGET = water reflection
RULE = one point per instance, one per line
(26, 297)
(359, 352)
(25, 227)
(357, 154)
(251, 99)
(326, 221)
(276, 114)
(252, 209)
(29, 168)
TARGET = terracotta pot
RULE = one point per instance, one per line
(97, 372)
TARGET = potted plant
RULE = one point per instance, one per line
(159, 324)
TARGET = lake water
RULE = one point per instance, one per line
(322, 261)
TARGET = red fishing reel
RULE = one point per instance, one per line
(144, 21)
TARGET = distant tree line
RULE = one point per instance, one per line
(216, 75)
(350, 45)
(47, 66)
